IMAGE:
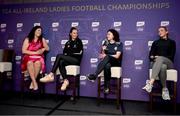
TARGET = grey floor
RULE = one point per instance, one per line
(15, 104)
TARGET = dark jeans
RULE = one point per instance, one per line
(62, 61)
(106, 65)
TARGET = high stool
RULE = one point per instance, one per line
(116, 73)
(172, 76)
(6, 67)
(73, 73)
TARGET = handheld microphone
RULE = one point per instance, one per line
(105, 42)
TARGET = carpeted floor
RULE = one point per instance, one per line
(15, 104)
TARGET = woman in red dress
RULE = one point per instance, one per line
(33, 48)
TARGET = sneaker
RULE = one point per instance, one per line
(148, 87)
(91, 77)
(64, 85)
(165, 94)
(47, 78)
(106, 90)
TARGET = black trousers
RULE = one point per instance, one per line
(106, 65)
(62, 61)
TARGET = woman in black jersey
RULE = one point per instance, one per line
(111, 55)
(72, 55)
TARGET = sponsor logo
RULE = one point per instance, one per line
(82, 77)
(138, 62)
(93, 60)
(95, 24)
(55, 24)
(140, 23)
(126, 80)
(126, 86)
(18, 58)
(128, 43)
(85, 42)
(3, 25)
(10, 41)
(37, 24)
(117, 24)
(19, 25)
(53, 59)
(74, 24)
(165, 23)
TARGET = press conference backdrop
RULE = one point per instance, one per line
(137, 22)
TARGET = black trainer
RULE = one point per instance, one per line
(91, 77)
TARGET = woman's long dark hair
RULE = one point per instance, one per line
(115, 34)
(71, 30)
(32, 33)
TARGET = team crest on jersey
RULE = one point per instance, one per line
(115, 48)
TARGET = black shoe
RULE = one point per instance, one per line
(106, 90)
(91, 77)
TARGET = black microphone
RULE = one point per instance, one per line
(105, 42)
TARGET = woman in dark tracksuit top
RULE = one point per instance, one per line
(162, 57)
(72, 55)
(111, 55)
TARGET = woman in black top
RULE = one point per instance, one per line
(162, 57)
(72, 55)
(111, 55)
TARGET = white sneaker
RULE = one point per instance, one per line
(165, 94)
(47, 78)
(148, 87)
